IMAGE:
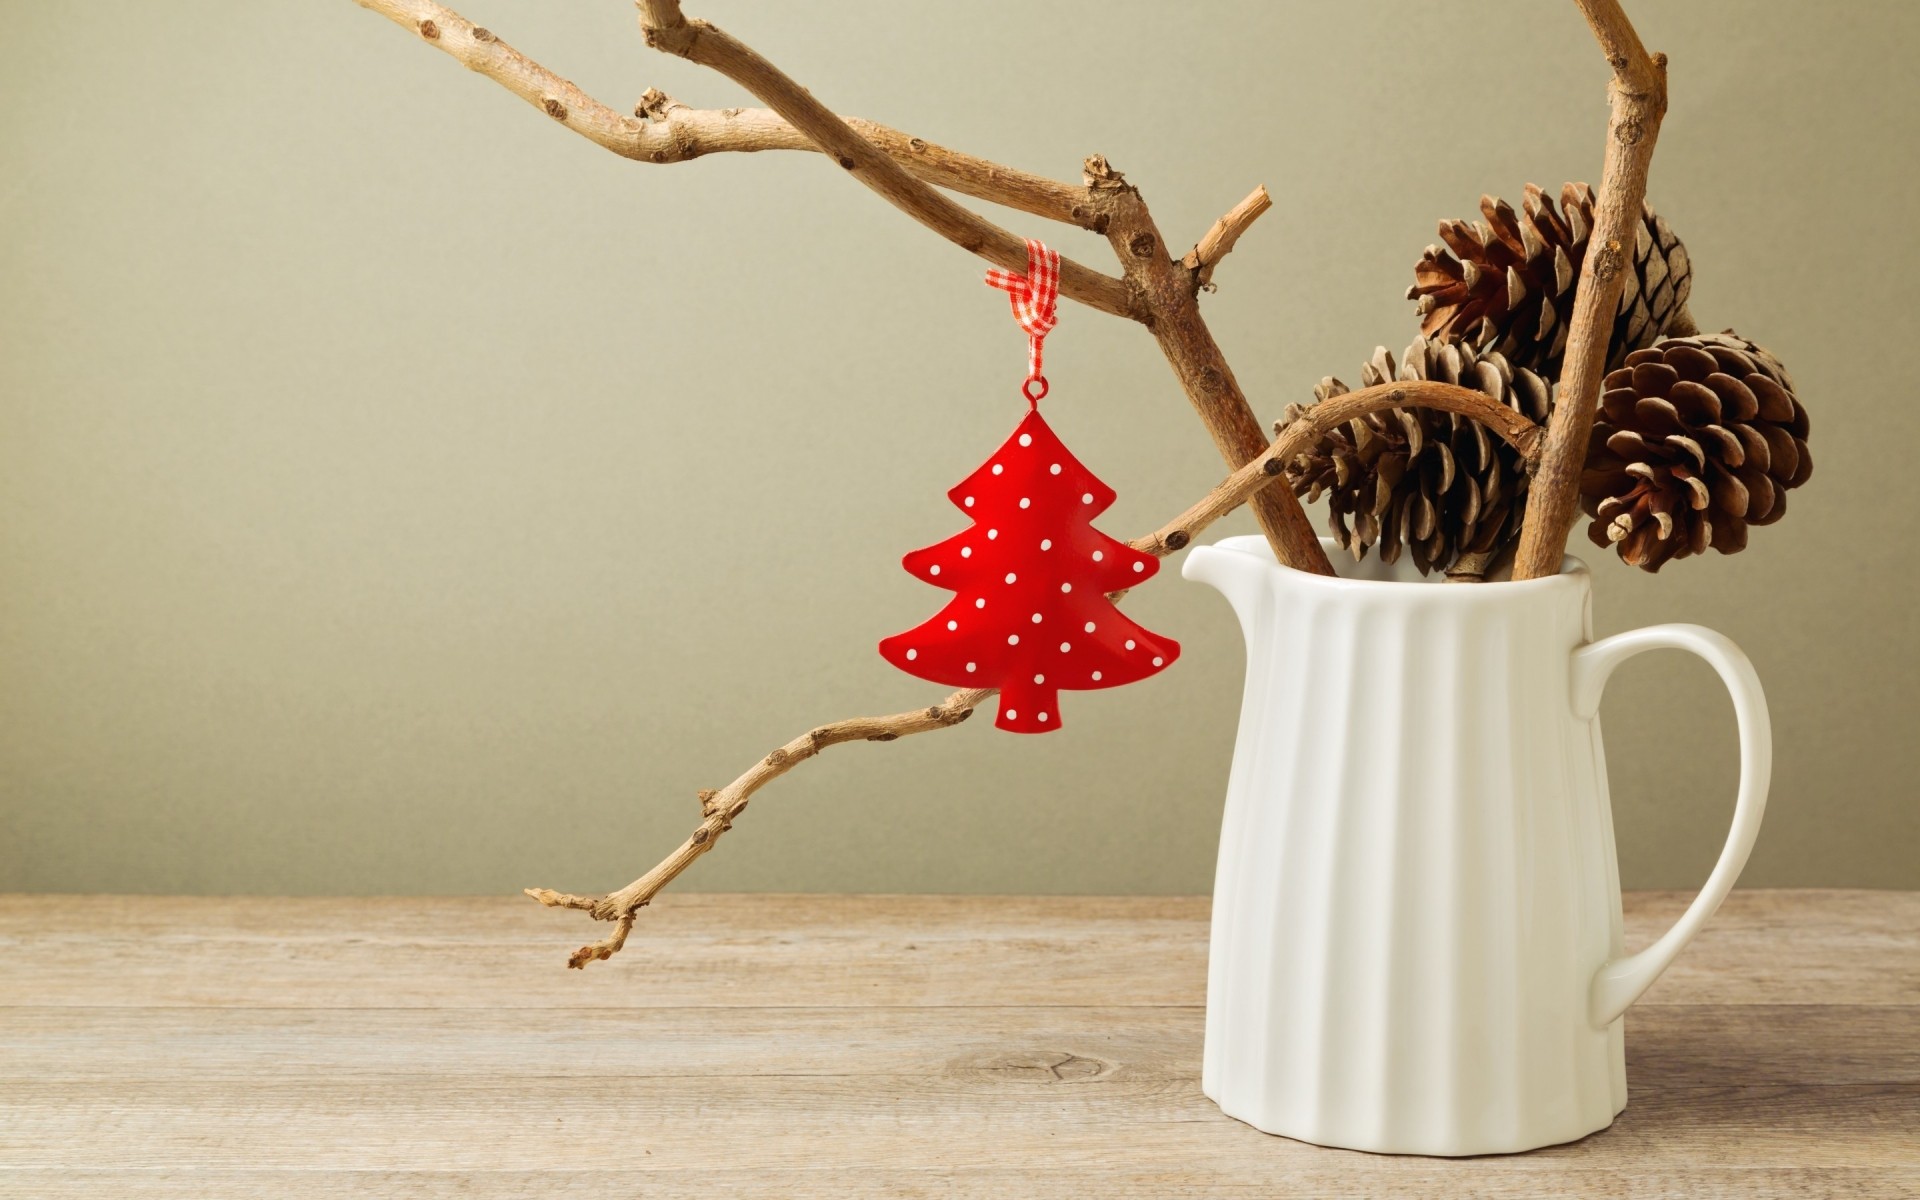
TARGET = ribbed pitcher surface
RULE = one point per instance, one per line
(1416, 880)
(1416, 918)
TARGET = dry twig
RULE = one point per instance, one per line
(1158, 292)
(663, 130)
(1638, 102)
(1219, 239)
(698, 41)
(652, 137)
(1197, 360)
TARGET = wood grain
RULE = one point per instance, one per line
(874, 1046)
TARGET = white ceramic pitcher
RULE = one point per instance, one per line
(1416, 941)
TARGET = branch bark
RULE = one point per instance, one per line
(718, 809)
(1196, 359)
(665, 131)
(667, 29)
(1156, 292)
(1219, 239)
(1638, 102)
(1159, 293)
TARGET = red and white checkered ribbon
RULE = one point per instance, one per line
(1034, 297)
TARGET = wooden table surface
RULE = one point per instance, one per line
(847, 1046)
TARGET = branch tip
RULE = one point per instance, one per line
(1223, 234)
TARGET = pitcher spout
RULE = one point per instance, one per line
(1239, 575)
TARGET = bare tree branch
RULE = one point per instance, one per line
(1196, 359)
(1157, 292)
(1639, 102)
(1219, 239)
(665, 131)
(698, 41)
(695, 132)
(718, 809)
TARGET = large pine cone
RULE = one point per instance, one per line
(1434, 482)
(1697, 438)
(1511, 288)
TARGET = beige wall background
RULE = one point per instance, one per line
(400, 494)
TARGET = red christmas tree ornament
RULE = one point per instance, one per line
(1030, 614)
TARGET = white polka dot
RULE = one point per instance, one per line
(1012, 715)
(1039, 678)
(1066, 587)
(980, 603)
(1025, 503)
(1054, 469)
(1086, 497)
(1139, 567)
(966, 552)
(1046, 543)
(1096, 677)
(934, 569)
(953, 624)
(970, 667)
(1026, 439)
(969, 501)
(1036, 618)
(912, 654)
(1011, 577)
(1065, 646)
(1089, 626)
(1129, 643)
(992, 534)
(1158, 661)
(1098, 555)
(1013, 639)
(997, 468)
(1043, 718)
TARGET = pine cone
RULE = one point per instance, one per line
(1511, 289)
(1435, 482)
(1697, 438)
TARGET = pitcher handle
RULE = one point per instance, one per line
(1620, 982)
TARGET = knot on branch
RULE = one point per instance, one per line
(655, 105)
(483, 35)
(665, 29)
(1608, 261)
(1530, 442)
(1099, 174)
(429, 30)
(706, 801)
(554, 108)
(1088, 219)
